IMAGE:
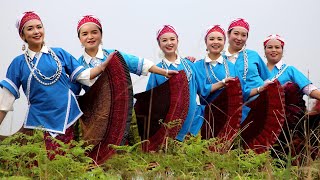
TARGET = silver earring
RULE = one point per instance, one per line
(23, 47)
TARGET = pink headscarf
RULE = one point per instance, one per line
(88, 19)
(239, 23)
(273, 36)
(166, 29)
(24, 18)
(215, 28)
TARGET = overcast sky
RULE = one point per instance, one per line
(130, 26)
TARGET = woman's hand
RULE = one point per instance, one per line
(226, 80)
(104, 64)
(171, 73)
(164, 72)
(264, 86)
(191, 58)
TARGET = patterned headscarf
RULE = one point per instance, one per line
(166, 29)
(88, 19)
(215, 28)
(24, 18)
(239, 23)
(273, 36)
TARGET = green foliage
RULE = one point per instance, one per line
(25, 157)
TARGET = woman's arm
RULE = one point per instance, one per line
(315, 94)
(165, 72)
(257, 90)
(220, 84)
(2, 115)
(96, 71)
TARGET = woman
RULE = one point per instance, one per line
(45, 74)
(215, 68)
(89, 31)
(167, 39)
(216, 71)
(247, 62)
(273, 49)
(294, 104)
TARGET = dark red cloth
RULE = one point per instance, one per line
(264, 122)
(53, 147)
(223, 115)
(107, 109)
(169, 102)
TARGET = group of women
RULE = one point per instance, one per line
(51, 77)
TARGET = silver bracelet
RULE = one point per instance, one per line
(258, 90)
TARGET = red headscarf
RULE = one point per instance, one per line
(239, 23)
(273, 36)
(166, 29)
(88, 19)
(24, 18)
(215, 28)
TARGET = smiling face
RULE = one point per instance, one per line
(215, 42)
(33, 34)
(90, 36)
(237, 38)
(273, 51)
(168, 43)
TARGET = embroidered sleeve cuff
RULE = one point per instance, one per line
(9, 85)
(147, 64)
(76, 73)
(308, 89)
(6, 100)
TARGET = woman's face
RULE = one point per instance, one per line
(237, 38)
(273, 51)
(33, 34)
(168, 43)
(215, 42)
(90, 36)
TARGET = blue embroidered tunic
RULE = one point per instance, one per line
(254, 73)
(290, 74)
(194, 120)
(135, 65)
(53, 108)
(205, 72)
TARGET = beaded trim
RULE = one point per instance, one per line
(226, 68)
(245, 64)
(34, 70)
(282, 69)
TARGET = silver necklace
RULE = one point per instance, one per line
(34, 70)
(245, 64)
(282, 69)
(212, 72)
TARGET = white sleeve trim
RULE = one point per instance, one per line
(75, 71)
(308, 89)
(84, 78)
(147, 64)
(6, 100)
(13, 85)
